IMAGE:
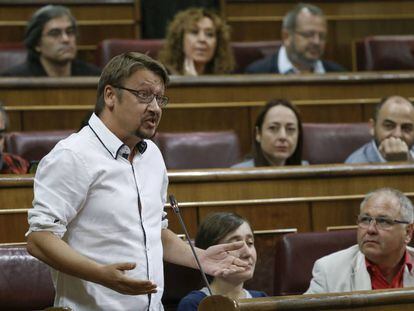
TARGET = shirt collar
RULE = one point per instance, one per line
(286, 66)
(408, 261)
(109, 140)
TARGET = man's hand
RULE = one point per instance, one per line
(113, 277)
(223, 259)
(55, 252)
(394, 149)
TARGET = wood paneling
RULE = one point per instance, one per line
(265, 214)
(288, 182)
(13, 227)
(307, 198)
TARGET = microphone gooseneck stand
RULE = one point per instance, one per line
(174, 205)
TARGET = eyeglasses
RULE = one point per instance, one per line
(145, 97)
(364, 221)
(56, 33)
(311, 34)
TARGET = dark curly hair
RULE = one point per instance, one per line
(172, 54)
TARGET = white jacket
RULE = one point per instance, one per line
(345, 271)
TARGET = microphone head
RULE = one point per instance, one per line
(173, 203)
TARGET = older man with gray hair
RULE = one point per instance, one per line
(304, 34)
(382, 259)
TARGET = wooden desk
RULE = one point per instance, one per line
(307, 198)
(97, 20)
(288, 182)
(210, 102)
(348, 20)
(382, 300)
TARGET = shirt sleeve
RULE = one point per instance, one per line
(60, 188)
(164, 222)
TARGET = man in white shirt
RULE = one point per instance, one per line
(304, 34)
(392, 128)
(98, 217)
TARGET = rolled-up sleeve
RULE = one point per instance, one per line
(60, 188)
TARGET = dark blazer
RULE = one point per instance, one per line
(269, 65)
(33, 68)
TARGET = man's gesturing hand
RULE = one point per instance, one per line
(113, 276)
(224, 259)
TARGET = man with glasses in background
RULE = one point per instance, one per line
(50, 39)
(382, 259)
(304, 34)
(98, 211)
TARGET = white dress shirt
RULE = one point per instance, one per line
(88, 194)
(286, 66)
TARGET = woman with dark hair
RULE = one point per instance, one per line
(197, 43)
(221, 228)
(278, 136)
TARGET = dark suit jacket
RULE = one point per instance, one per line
(33, 68)
(269, 65)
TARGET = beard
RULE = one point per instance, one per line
(146, 133)
(300, 58)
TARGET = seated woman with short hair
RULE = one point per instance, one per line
(278, 136)
(197, 43)
(221, 228)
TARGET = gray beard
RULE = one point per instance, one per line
(297, 59)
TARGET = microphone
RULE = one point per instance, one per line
(174, 205)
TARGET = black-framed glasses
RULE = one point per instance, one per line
(145, 97)
(364, 221)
